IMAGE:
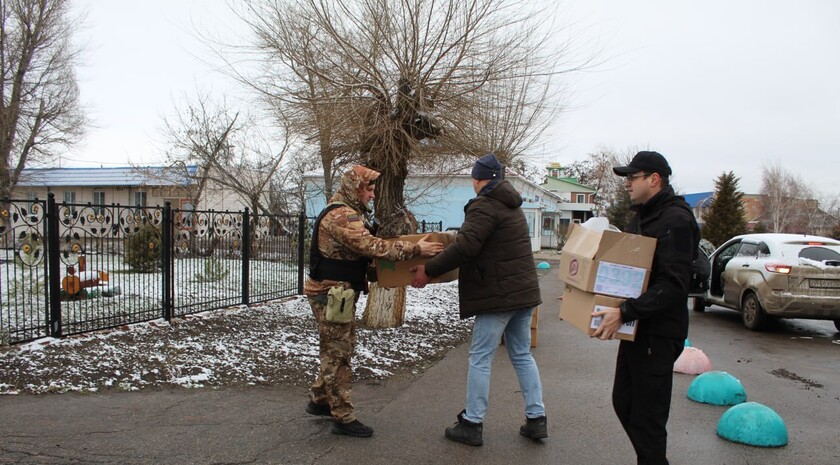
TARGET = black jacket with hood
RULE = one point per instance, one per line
(492, 252)
(662, 309)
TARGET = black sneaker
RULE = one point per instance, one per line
(465, 431)
(535, 428)
(318, 409)
(355, 428)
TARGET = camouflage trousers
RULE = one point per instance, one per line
(335, 377)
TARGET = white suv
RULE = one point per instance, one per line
(776, 275)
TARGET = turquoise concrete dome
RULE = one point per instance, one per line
(717, 388)
(753, 424)
(543, 266)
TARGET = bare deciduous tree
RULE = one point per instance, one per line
(39, 97)
(596, 171)
(785, 198)
(226, 150)
(401, 85)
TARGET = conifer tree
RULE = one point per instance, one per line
(725, 217)
(619, 212)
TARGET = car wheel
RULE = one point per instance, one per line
(698, 304)
(751, 312)
(837, 324)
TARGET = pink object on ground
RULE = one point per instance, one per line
(692, 361)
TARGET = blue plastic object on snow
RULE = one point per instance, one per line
(753, 424)
(543, 266)
(717, 388)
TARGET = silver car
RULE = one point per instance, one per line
(775, 275)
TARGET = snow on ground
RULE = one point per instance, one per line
(271, 343)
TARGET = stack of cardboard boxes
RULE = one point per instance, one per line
(601, 268)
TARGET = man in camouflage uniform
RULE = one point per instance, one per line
(342, 246)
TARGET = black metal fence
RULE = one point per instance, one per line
(72, 268)
(430, 226)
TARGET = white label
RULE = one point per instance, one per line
(619, 280)
(626, 328)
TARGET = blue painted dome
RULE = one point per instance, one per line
(717, 388)
(753, 424)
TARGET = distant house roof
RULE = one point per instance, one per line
(700, 199)
(111, 176)
(573, 182)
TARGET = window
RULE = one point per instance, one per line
(69, 199)
(30, 197)
(748, 250)
(186, 214)
(98, 202)
(530, 217)
(139, 201)
(548, 226)
(581, 198)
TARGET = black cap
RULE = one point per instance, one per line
(648, 162)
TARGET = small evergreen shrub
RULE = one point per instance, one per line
(143, 249)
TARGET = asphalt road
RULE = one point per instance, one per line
(794, 368)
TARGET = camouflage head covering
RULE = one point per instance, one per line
(351, 186)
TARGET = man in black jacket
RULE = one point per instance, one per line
(498, 284)
(644, 367)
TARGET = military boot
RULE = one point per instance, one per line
(465, 431)
(535, 428)
(318, 409)
(355, 428)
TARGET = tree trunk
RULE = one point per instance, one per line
(385, 307)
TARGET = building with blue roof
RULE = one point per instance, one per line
(127, 186)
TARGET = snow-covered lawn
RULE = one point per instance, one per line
(272, 343)
(198, 283)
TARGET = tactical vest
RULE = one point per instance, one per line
(321, 267)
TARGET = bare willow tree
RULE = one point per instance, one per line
(403, 85)
(39, 96)
(393, 84)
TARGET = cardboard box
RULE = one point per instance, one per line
(534, 323)
(535, 318)
(396, 274)
(577, 306)
(607, 262)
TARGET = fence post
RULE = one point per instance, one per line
(423, 226)
(246, 256)
(54, 326)
(167, 266)
(301, 236)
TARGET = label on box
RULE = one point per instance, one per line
(619, 280)
(628, 328)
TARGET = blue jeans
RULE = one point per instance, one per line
(487, 333)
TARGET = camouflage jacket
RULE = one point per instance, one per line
(343, 235)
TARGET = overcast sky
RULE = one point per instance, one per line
(713, 85)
